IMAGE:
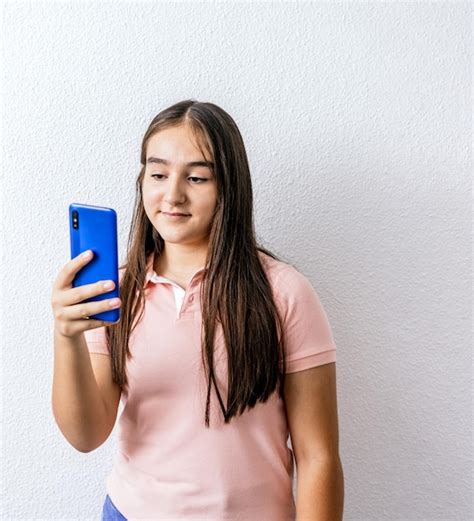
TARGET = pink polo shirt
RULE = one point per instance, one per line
(168, 464)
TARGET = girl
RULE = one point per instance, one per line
(221, 352)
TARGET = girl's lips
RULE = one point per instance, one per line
(171, 216)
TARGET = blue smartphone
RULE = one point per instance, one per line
(95, 228)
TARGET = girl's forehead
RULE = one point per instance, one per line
(178, 141)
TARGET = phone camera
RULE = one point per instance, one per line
(75, 220)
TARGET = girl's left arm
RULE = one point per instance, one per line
(311, 408)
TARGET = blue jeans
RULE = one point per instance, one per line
(110, 512)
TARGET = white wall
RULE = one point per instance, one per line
(356, 118)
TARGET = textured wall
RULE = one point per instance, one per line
(357, 120)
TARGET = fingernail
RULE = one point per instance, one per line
(86, 254)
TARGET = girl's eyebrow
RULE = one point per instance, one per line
(208, 164)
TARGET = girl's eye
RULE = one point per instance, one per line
(198, 178)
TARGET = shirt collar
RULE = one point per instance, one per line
(152, 276)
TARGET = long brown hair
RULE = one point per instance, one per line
(235, 290)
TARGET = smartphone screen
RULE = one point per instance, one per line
(95, 228)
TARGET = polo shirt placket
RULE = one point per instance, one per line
(184, 298)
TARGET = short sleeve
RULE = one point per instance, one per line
(307, 332)
(95, 338)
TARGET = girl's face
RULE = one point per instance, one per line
(172, 185)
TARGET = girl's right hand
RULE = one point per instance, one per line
(67, 302)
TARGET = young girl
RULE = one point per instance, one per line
(221, 352)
